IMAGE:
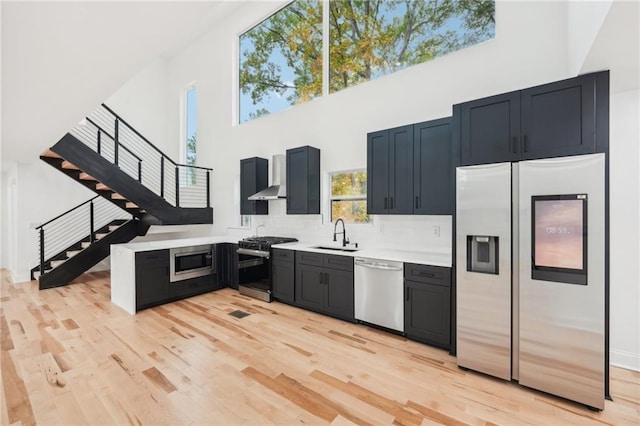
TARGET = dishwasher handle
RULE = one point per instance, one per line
(377, 265)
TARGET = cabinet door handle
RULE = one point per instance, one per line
(326, 279)
(426, 274)
(524, 141)
(416, 201)
(514, 145)
(407, 292)
(321, 277)
(385, 203)
(391, 204)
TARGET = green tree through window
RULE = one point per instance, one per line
(349, 196)
(281, 58)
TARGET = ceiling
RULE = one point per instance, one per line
(61, 59)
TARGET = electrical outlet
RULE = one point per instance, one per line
(436, 230)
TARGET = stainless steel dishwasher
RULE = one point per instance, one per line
(379, 290)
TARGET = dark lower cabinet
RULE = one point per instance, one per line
(283, 275)
(227, 265)
(324, 283)
(310, 287)
(152, 278)
(153, 286)
(427, 308)
(339, 297)
(192, 287)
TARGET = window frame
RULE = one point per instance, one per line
(326, 54)
(183, 119)
(332, 198)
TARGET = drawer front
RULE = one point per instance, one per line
(153, 257)
(308, 258)
(192, 286)
(437, 275)
(280, 255)
(344, 263)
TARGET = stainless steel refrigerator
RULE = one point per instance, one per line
(530, 255)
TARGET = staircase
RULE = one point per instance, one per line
(131, 176)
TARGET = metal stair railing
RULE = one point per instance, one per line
(72, 226)
(181, 185)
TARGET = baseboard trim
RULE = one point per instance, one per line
(624, 359)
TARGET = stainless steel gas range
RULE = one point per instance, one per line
(254, 265)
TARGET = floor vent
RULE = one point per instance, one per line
(239, 314)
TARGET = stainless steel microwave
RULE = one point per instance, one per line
(191, 262)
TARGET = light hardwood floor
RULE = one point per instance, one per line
(71, 357)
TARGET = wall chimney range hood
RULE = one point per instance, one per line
(278, 187)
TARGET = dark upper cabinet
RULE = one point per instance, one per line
(390, 171)
(283, 275)
(152, 278)
(427, 308)
(490, 129)
(567, 117)
(559, 118)
(410, 169)
(303, 180)
(378, 172)
(432, 167)
(254, 177)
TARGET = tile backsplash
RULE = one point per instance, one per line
(407, 232)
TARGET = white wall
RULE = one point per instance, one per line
(337, 124)
(624, 189)
(585, 19)
(143, 103)
(41, 193)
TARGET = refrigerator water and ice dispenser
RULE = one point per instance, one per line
(482, 254)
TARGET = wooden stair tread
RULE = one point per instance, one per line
(56, 263)
(131, 205)
(102, 187)
(50, 154)
(86, 176)
(116, 196)
(69, 166)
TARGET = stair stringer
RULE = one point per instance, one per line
(161, 212)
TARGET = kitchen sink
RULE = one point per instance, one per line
(348, 249)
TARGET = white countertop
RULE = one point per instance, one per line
(409, 256)
(167, 244)
(422, 257)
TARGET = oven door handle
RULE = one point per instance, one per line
(257, 253)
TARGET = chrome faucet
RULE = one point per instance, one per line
(259, 226)
(345, 241)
